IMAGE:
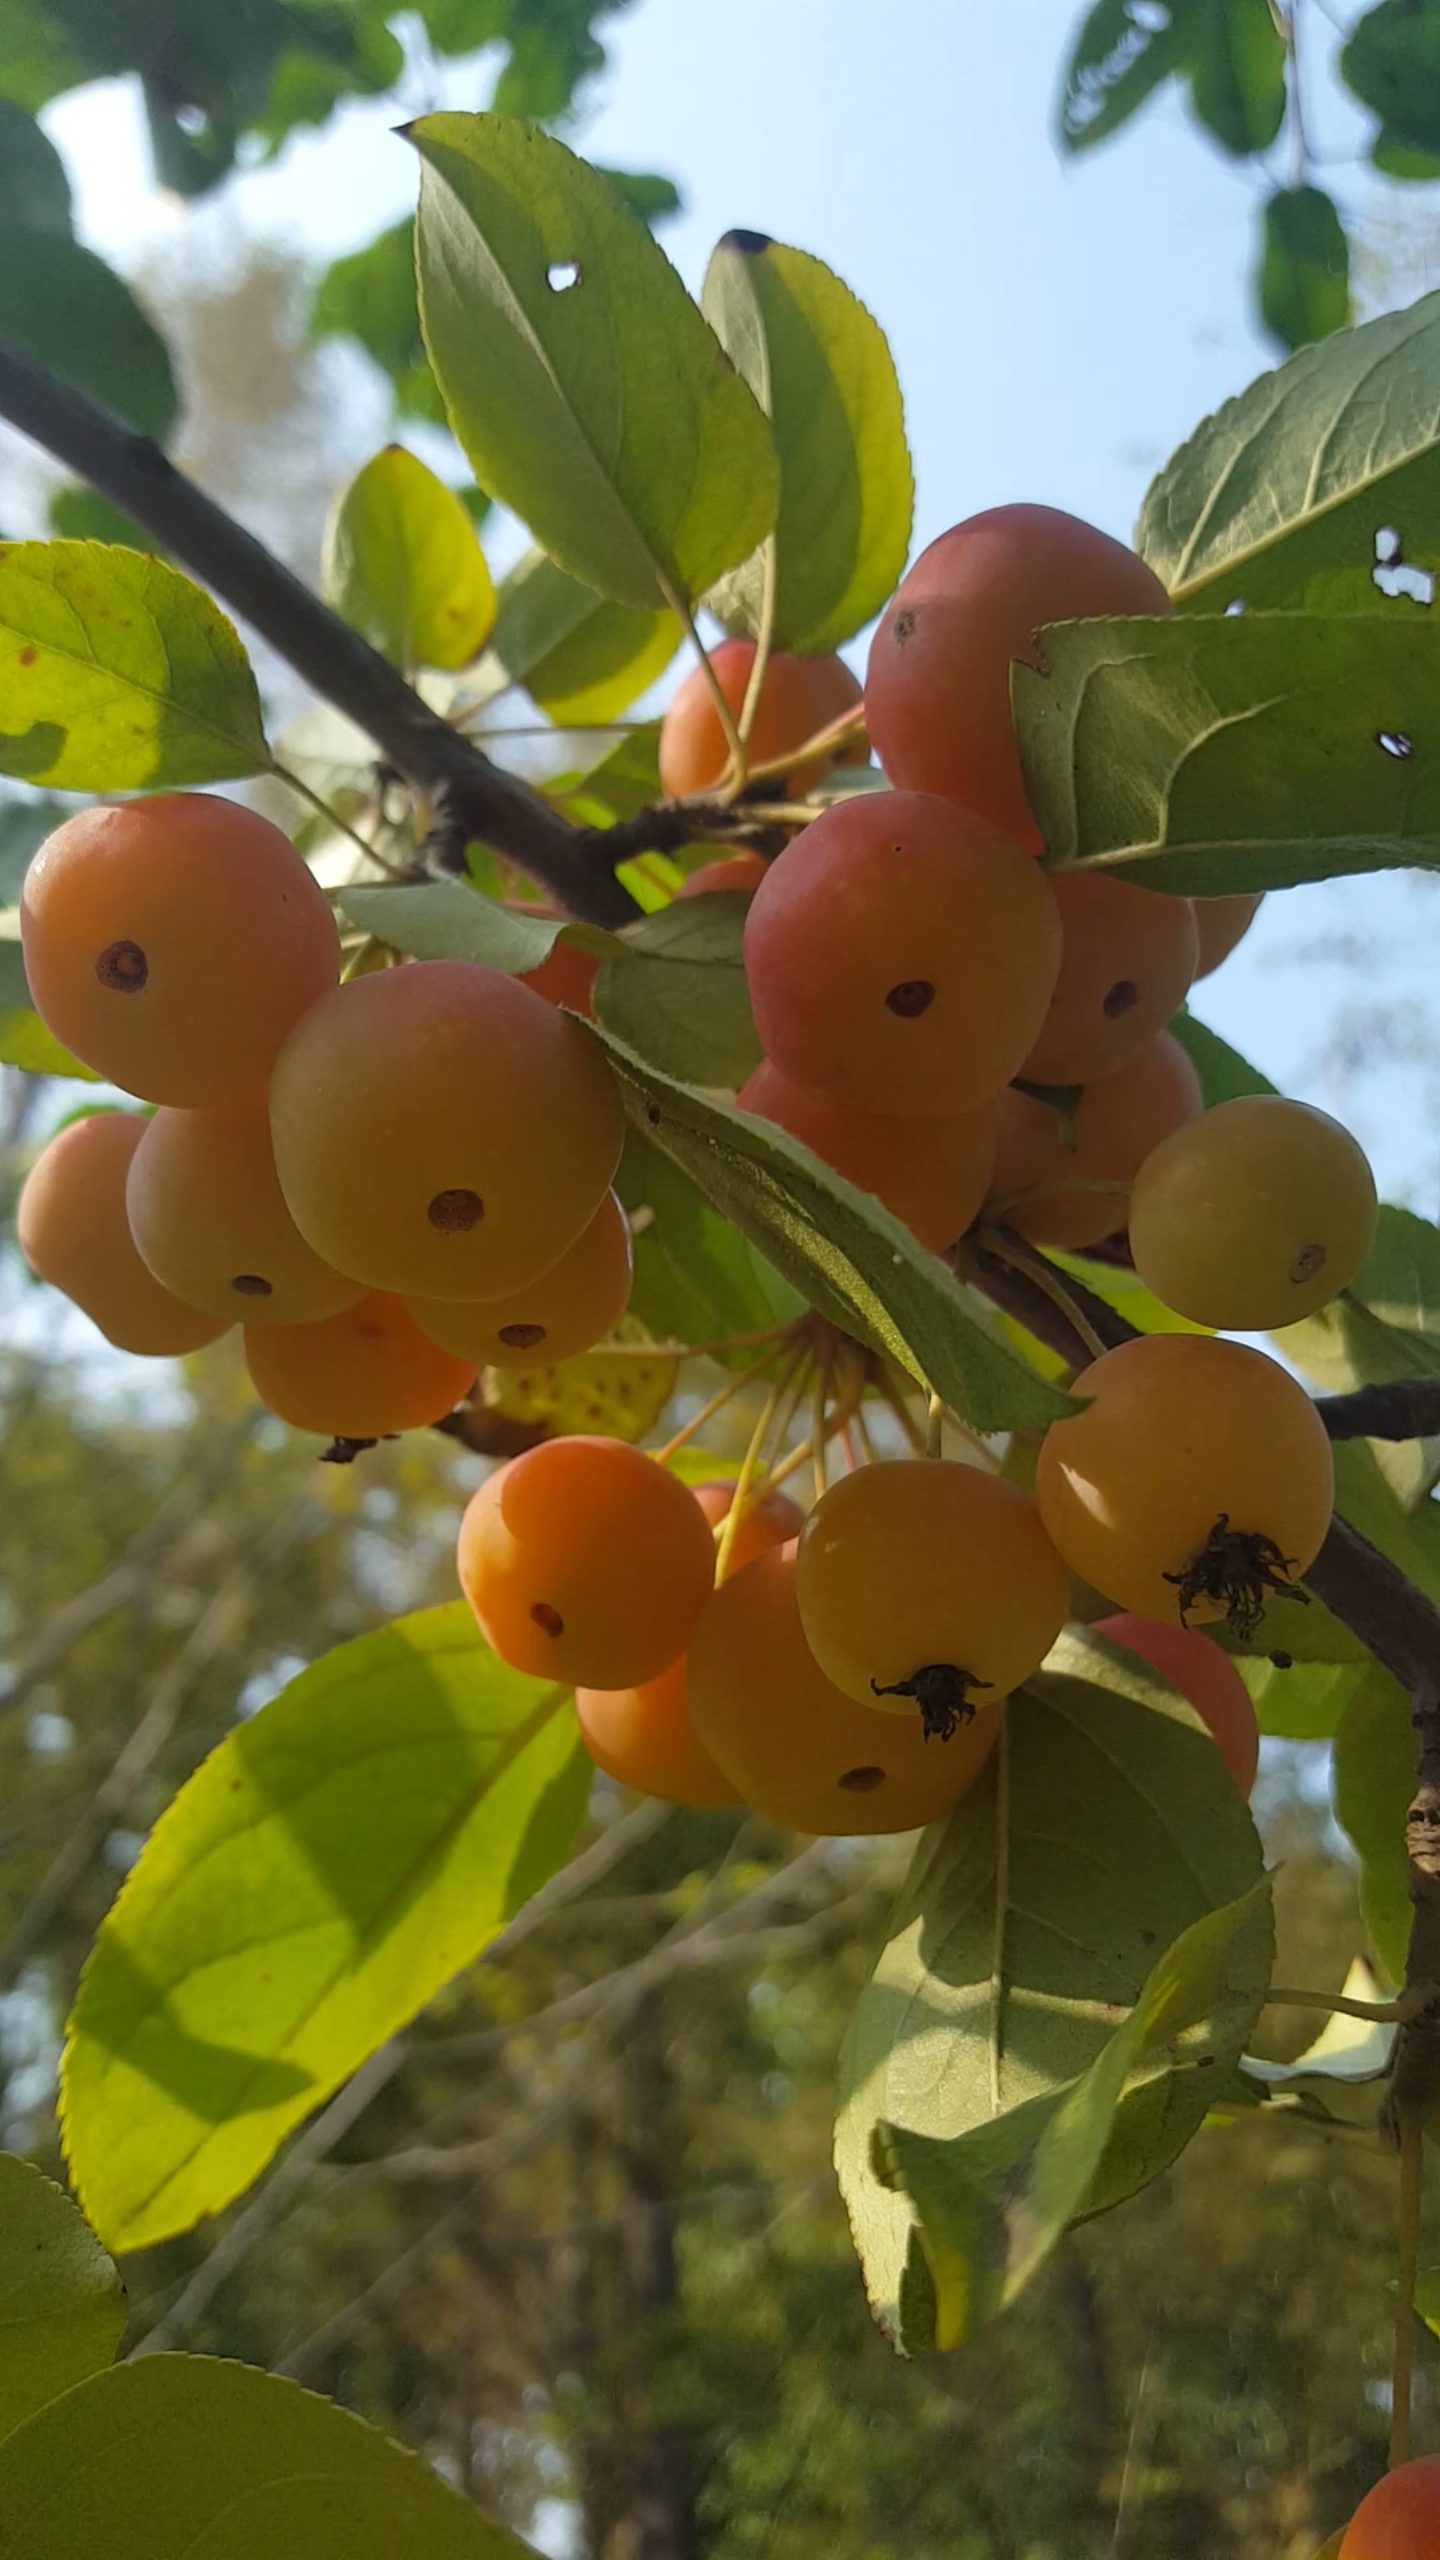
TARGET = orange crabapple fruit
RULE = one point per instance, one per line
(937, 688)
(932, 1174)
(798, 698)
(441, 1131)
(737, 871)
(570, 1308)
(797, 1749)
(1222, 922)
(1073, 1195)
(567, 975)
(1198, 1478)
(359, 1375)
(1194, 1664)
(923, 1584)
(1259, 1213)
(1400, 2518)
(174, 943)
(208, 1215)
(74, 1232)
(1127, 958)
(901, 955)
(585, 1562)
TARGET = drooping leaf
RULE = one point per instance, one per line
(118, 674)
(64, 308)
(1284, 497)
(403, 564)
(445, 920)
(1237, 74)
(676, 992)
(581, 657)
(34, 190)
(1303, 281)
(697, 1279)
(821, 370)
(1246, 751)
(586, 389)
(1120, 57)
(846, 1255)
(1374, 1780)
(62, 2305)
(323, 1874)
(1106, 1827)
(1341, 2076)
(1391, 63)
(175, 2456)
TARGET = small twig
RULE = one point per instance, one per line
(1406, 1409)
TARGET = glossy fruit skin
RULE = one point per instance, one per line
(73, 1232)
(442, 1132)
(1400, 2518)
(738, 871)
(1257, 1214)
(208, 1215)
(645, 1738)
(1180, 1431)
(933, 1174)
(1194, 1664)
(1073, 1196)
(799, 1751)
(1222, 922)
(900, 956)
(799, 697)
(357, 1376)
(585, 1562)
(174, 943)
(771, 1522)
(1127, 961)
(937, 689)
(567, 1310)
(918, 1561)
(567, 976)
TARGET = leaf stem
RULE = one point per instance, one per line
(734, 781)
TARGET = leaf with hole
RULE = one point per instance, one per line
(586, 389)
(403, 564)
(676, 991)
(619, 1393)
(846, 1255)
(1105, 1828)
(1318, 488)
(118, 674)
(324, 1873)
(62, 2305)
(1240, 752)
(821, 370)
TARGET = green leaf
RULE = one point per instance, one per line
(1392, 65)
(1396, 159)
(370, 296)
(619, 784)
(1427, 2303)
(1237, 75)
(445, 920)
(1120, 58)
(63, 307)
(1305, 1702)
(993, 2202)
(845, 1254)
(24, 1040)
(324, 1874)
(821, 370)
(117, 674)
(1240, 752)
(1353, 1343)
(34, 190)
(697, 1279)
(62, 2305)
(654, 198)
(588, 392)
(676, 992)
(1281, 499)
(24, 826)
(1224, 1074)
(176, 2456)
(1104, 1829)
(1374, 1780)
(1303, 280)
(578, 655)
(1341, 2076)
(403, 564)
(80, 514)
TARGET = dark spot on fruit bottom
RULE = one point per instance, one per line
(862, 1782)
(1310, 1260)
(1120, 999)
(454, 1212)
(123, 968)
(548, 1620)
(522, 1337)
(941, 1692)
(913, 996)
(250, 1285)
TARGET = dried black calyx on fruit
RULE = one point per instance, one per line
(343, 1452)
(941, 1691)
(1234, 1571)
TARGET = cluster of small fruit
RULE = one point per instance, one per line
(389, 1181)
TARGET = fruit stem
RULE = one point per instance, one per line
(735, 778)
(1009, 1248)
(770, 1420)
(732, 1388)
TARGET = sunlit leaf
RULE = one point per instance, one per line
(580, 656)
(677, 995)
(62, 2305)
(403, 564)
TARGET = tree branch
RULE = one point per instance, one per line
(473, 798)
(1404, 1409)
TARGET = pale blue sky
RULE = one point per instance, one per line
(1058, 329)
